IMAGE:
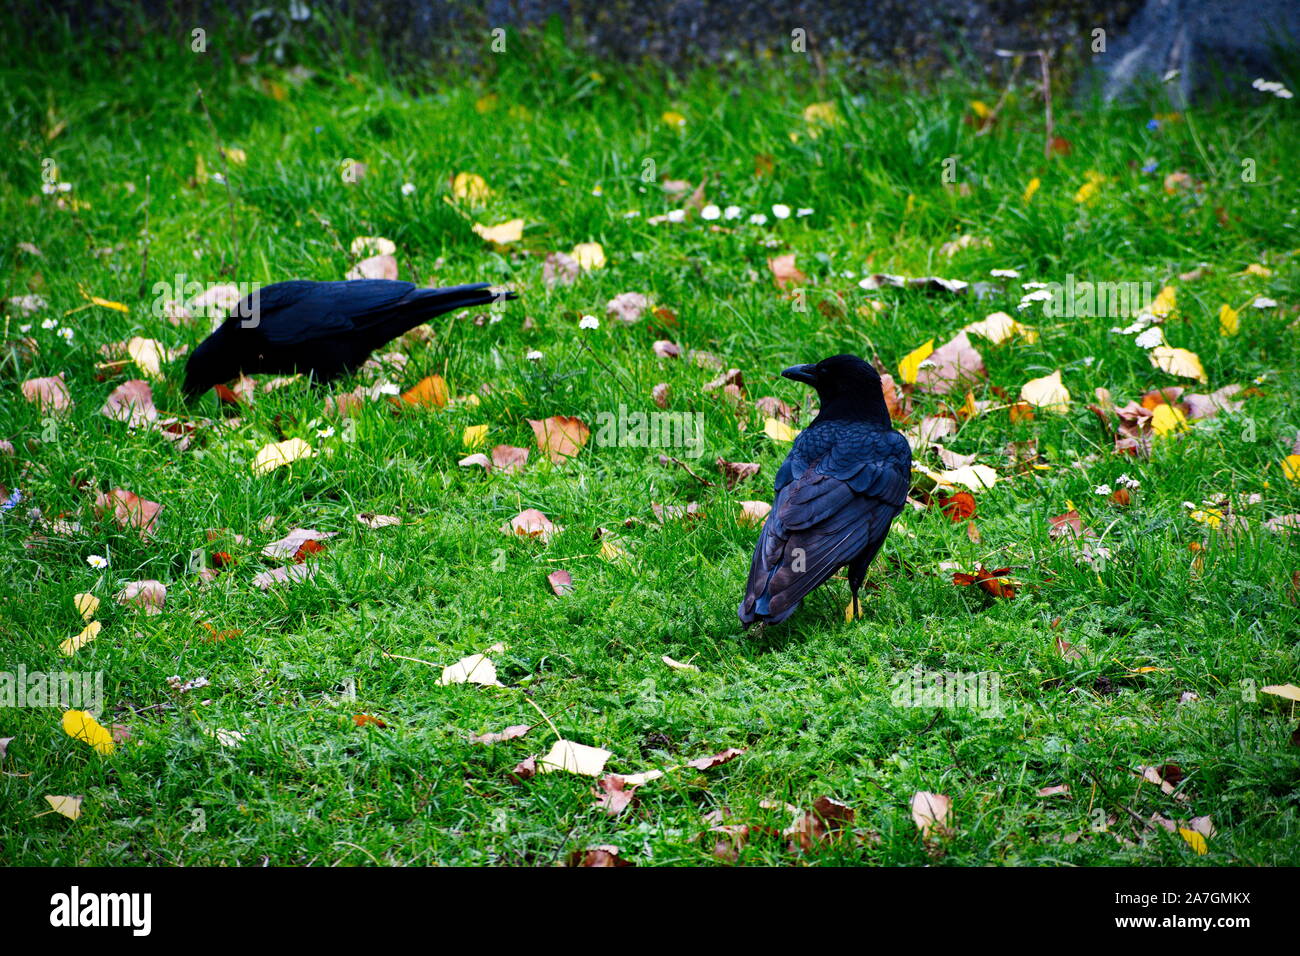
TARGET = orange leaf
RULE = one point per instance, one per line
(430, 392)
(560, 436)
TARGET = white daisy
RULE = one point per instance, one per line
(589, 322)
(1005, 273)
(97, 561)
(677, 215)
(408, 188)
(1150, 338)
(710, 212)
(758, 219)
(534, 356)
(731, 212)
(781, 211)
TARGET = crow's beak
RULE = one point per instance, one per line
(801, 373)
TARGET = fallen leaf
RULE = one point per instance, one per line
(51, 393)
(909, 367)
(1047, 393)
(531, 523)
(289, 545)
(932, 814)
(994, 582)
(365, 720)
(131, 402)
(278, 454)
(1289, 691)
(289, 574)
(474, 669)
(999, 327)
(951, 365)
(510, 733)
(614, 796)
(149, 594)
(753, 512)
(678, 665)
(560, 436)
(604, 855)
(130, 510)
(570, 757)
(471, 187)
(628, 307)
(73, 644)
(69, 807)
(715, 760)
(512, 230)
(79, 725)
(429, 392)
(784, 271)
(86, 605)
(779, 431)
(1179, 362)
(561, 582)
(374, 521)
(508, 458)
(734, 472)
(588, 255)
(372, 246)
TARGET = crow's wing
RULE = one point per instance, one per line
(294, 313)
(826, 513)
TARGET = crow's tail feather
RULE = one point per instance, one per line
(434, 302)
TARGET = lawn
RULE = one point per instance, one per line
(1141, 634)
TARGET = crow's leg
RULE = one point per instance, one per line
(857, 573)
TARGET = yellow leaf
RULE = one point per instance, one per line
(980, 109)
(474, 435)
(1178, 362)
(567, 756)
(1291, 467)
(1289, 691)
(1229, 320)
(236, 155)
(279, 454)
(825, 113)
(1031, 188)
(510, 231)
(1165, 302)
(1255, 269)
(470, 186)
(1194, 840)
(674, 119)
(474, 669)
(974, 477)
(79, 725)
(1207, 516)
(1047, 393)
(430, 391)
(909, 368)
(73, 644)
(148, 355)
(86, 605)
(589, 255)
(1166, 419)
(486, 104)
(70, 807)
(109, 304)
(997, 327)
(778, 430)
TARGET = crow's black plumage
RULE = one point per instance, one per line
(842, 484)
(324, 329)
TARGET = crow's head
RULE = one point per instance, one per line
(847, 386)
(215, 361)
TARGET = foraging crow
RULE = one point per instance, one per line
(842, 484)
(323, 329)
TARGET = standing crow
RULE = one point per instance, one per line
(322, 329)
(841, 485)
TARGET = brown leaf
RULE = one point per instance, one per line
(510, 733)
(51, 394)
(508, 458)
(627, 307)
(734, 472)
(604, 855)
(660, 394)
(365, 720)
(614, 796)
(131, 402)
(561, 582)
(376, 267)
(531, 523)
(130, 510)
(932, 814)
(478, 458)
(560, 436)
(990, 581)
(1068, 523)
(900, 410)
(291, 544)
(306, 550)
(150, 595)
(716, 760)
(560, 268)
(771, 407)
(784, 271)
(955, 363)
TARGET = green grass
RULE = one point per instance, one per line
(808, 701)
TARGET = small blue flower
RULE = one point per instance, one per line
(15, 498)
(1153, 124)
(1150, 167)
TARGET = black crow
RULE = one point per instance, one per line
(844, 481)
(322, 329)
